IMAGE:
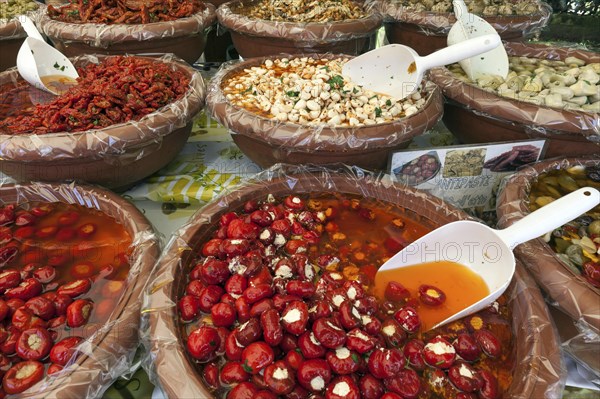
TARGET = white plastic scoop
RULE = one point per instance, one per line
(488, 252)
(468, 26)
(397, 70)
(40, 64)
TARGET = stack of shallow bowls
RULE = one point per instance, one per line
(476, 114)
(254, 37)
(426, 31)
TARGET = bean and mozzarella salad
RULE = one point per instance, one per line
(311, 91)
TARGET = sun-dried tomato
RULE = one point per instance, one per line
(124, 11)
(117, 90)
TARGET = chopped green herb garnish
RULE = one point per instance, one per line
(248, 90)
(292, 93)
(388, 103)
(356, 358)
(377, 112)
(372, 97)
(355, 90)
(337, 81)
(325, 67)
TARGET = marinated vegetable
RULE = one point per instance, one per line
(12, 8)
(124, 11)
(304, 10)
(482, 7)
(297, 274)
(460, 163)
(519, 155)
(570, 83)
(59, 281)
(119, 89)
(578, 242)
(419, 169)
(310, 91)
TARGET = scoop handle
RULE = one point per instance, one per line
(461, 11)
(30, 28)
(551, 216)
(459, 51)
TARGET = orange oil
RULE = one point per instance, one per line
(462, 287)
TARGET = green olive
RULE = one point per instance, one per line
(12, 8)
(594, 227)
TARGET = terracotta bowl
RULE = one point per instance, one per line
(477, 116)
(267, 141)
(178, 376)
(111, 347)
(427, 32)
(185, 37)
(573, 294)
(12, 36)
(259, 38)
(115, 157)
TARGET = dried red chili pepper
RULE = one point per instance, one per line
(117, 90)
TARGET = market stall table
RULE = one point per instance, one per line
(209, 163)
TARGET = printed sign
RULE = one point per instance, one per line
(466, 176)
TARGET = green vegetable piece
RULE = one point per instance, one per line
(575, 254)
(561, 245)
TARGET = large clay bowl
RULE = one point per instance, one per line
(572, 293)
(12, 36)
(536, 348)
(259, 38)
(427, 32)
(185, 37)
(112, 347)
(477, 116)
(267, 141)
(115, 157)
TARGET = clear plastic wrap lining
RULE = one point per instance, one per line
(539, 371)
(320, 137)
(575, 296)
(121, 143)
(108, 351)
(11, 29)
(301, 32)
(439, 24)
(537, 121)
(103, 35)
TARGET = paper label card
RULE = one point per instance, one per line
(467, 176)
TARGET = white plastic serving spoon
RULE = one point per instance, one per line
(486, 251)
(397, 70)
(37, 59)
(468, 26)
